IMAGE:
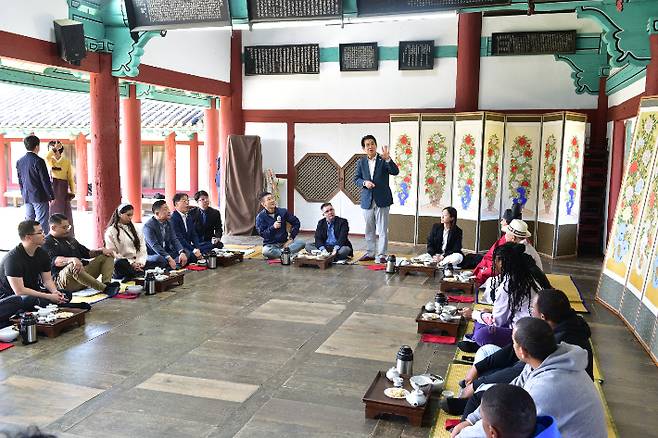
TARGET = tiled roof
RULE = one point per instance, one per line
(34, 108)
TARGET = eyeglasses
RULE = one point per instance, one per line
(328, 210)
(36, 234)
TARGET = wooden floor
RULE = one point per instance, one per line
(258, 350)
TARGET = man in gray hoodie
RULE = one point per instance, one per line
(555, 378)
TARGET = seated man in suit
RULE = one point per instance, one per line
(74, 266)
(271, 225)
(162, 246)
(331, 234)
(185, 228)
(207, 221)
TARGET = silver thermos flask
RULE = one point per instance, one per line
(28, 329)
(212, 260)
(405, 360)
(149, 284)
(390, 264)
(285, 256)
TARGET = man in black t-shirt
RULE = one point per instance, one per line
(75, 267)
(25, 270)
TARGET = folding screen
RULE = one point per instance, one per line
(467, 165)
(573, 155)
(435, 173)
(520, 165)
(404, 141)
(492, 165)
(629, 280)
(560, 167)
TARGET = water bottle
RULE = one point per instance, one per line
(28, 329)
(285, 257)
(149, 284)
(405, 360)
(390, 264)
(212, 260)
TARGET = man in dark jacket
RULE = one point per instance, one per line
(271, 225)
(372, 172)
(503, 366)
(162, 246)
(207, 220)
(331, 234)
(36, 186)
(185, 229)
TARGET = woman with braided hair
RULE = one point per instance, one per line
(127, 244)
(518, 280)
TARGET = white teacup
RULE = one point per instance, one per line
(392, 373)
(430, 306)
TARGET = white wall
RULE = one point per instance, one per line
(531, 82)
(205, 53)
(629, 92)
(33, 18)
(333, 89)
(274, 144)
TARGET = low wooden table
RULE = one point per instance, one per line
(436, 326)
(466, 287)
(430, 271)
(163, 285)
(230, 259)
(377, 403)
(322, 263)
(54, 329)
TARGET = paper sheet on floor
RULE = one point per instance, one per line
(85, 292)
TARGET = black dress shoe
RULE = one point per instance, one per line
(468, 346)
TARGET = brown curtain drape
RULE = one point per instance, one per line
(243, 181)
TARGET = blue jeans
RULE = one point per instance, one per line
(39, 211)
(273, 250)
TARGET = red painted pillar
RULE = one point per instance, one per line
(468, 62)
(231, 116)
(599, 124)
(290, 168)
(3, 172)
(132, 150)
(104, 111)
(170, 168)
(211, 123)
(616, 168)
(81, 172)
(651, 88)
(194, 163)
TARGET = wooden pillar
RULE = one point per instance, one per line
(469, 34)
(212, 142)
(616, 168)
(651, 88)
(104, 111)
(599, 123)
(81, 171)
(132, 150)
(194, 163)
(231, 115)
(3, 172)
(170, 168)
(290, 168)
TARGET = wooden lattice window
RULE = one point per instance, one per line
(318, 177)
(348, 187)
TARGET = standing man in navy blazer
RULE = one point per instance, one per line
(371, 175)
(185, 228)
(36, 187)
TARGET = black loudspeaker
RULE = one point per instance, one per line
(70, 38)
